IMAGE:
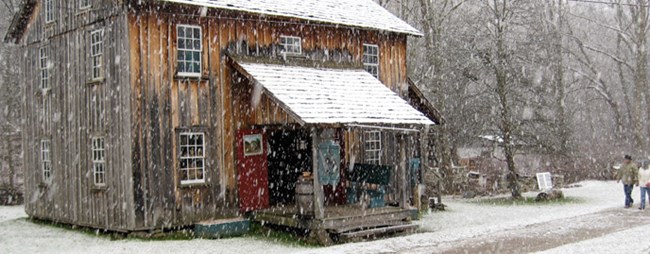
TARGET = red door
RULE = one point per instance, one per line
(252, 170)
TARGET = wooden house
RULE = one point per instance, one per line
(143, 115)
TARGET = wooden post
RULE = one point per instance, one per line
(424, 162)
(319, 197)
(401, 171)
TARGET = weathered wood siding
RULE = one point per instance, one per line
(79, 110)
(220, 101)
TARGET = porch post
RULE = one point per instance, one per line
(424, 163)
(319, 197)
(401, 171)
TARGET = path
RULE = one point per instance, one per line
(543, 236)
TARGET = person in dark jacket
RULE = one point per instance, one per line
(628, 174)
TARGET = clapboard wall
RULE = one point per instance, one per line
(78, 110)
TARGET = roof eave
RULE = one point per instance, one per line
(20, 21)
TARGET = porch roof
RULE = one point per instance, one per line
(331, 96)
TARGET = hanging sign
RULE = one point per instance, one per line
(329, 161)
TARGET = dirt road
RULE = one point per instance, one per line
(543, 236)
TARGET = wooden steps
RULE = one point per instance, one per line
(379, 231)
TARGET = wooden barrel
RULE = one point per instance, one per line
(305, 196)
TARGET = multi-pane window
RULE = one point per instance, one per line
(99, 162)
(97, 52)
(371, 59)
(44, 67)
(46, 163)
(189, 50)
(291, 44)
(192, 157)
(84, 4)
(49, 11)
(373, 147)
(46, 111)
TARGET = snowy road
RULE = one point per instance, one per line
(597, 225)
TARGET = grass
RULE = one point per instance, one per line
(507, 201)
(281, 235)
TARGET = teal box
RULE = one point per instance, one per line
(377, 198)
(351, 194)
(222, 228)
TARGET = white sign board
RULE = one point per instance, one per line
(544, 181)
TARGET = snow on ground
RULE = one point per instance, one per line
(463, 220)
(18, 235)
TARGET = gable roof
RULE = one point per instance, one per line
(354, 13)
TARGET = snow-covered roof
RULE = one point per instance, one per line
(355, 13)
(332, 96)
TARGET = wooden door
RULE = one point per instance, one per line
(252, 170)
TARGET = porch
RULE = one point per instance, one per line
(314, 172)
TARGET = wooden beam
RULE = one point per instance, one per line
(401, 172)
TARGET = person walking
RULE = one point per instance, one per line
(628, 174)
(644, 183)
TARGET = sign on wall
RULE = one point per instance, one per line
(544, 181)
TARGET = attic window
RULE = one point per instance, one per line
(189, 50)
(371, 59)
(84, 4)
(97, 53)
(192, 157)
(291, 45)
(49, 11)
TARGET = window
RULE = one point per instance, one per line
(192, 157)
(47, 112)
(43, 65)
(84, 4)
(46, 164)
(371, 59)
(291, 45)
(99, 162)
(97, 52)
(373, 147)
(189, 50)
(49, 11)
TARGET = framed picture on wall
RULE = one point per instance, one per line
(253, 145)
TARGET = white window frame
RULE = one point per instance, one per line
(289, 45)
(186, 50)
(44, 67)
(98, 153)
(185, 160)
(47, 111)
(46, 160)
(97, 54)
(85, 4)
(372, 149)
(48, 11)
(367, 64)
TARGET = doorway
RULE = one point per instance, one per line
(289, 156)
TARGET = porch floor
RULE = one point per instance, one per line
(338, 219)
